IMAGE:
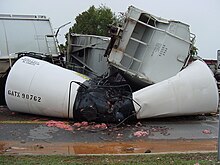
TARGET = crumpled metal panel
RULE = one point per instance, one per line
(150, 49)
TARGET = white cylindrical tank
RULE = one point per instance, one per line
(38, 87)
(191, 91)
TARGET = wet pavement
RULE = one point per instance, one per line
(31, 134)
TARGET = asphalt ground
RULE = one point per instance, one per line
(31, 134)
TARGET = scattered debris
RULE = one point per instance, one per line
(59, 124)
(119, 135)
(102, 126)
(138, 124)
(206, 131)
(141, 133)
(139, 56)
(161, 129)
(147, 151)
(77, 124)
(106, 100)
(86, 125)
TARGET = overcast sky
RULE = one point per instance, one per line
(203, 16)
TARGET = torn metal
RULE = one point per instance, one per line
(148, 74)
(32, 87)
(149, 49)
(146, 49)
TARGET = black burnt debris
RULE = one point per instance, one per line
(104, 100)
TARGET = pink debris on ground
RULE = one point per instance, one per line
(141, 133)
(82, 124)
(103, 126)
(206, 131)
(85, 123)
(154, 129)
(77, 124)
(59, 124)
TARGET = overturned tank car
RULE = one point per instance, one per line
(69, 94)
(151, 75)
(149, 49)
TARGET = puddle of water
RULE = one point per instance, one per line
(109, 147)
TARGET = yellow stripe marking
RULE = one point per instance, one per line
(27, 122)
(22, 122)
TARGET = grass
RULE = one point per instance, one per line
(163, 159)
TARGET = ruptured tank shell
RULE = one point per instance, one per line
(191, 91)
(38, 87)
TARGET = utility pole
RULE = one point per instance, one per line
(218, 71)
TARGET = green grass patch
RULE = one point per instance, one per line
(148, 159)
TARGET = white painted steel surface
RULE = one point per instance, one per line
(38, 87)
(152, 49)
(191, 91)
(30, 33)
(89, 50)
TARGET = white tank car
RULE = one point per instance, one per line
(191, 91)
(38, 87)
